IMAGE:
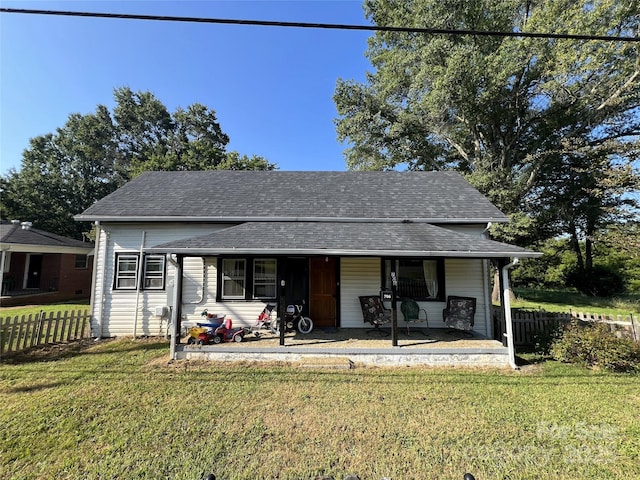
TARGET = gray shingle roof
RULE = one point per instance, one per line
(238, 196)
(342, 238)
(11, 233)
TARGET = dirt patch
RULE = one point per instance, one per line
(52, 352)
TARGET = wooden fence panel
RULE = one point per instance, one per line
(526, 324)
(20, 333)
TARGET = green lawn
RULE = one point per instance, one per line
(564, 300)
(10, 312)
(118, 410)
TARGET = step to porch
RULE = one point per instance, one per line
(351, 357)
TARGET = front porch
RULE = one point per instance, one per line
(347, 347)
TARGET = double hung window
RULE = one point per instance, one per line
(264, 278)
(127, 271)
(153, 272)
(248, 278)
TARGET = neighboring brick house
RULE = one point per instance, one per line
(42, 267)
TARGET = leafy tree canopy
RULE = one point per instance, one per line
(498, 108)
(91, 155)
(547, 128)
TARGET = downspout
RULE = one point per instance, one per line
(140, 281)
(488, 307)
(103, 293)
(94, 274)
(507, 313)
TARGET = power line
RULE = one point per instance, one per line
(333, 26)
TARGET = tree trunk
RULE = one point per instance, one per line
(496, 292)
(575, 244)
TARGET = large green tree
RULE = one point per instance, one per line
(91, 155)
(511, 113)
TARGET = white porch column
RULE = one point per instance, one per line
(507, 313)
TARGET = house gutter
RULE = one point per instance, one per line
(205, 251)
(485, 286)
(507, 313)
(140, 281)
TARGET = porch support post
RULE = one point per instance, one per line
(281, 312)
(507, 313)
(394, 307)
(176, 306)
(2, 263)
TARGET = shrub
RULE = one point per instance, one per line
(594, 344)
(543, 341)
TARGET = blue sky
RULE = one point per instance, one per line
(271, 87)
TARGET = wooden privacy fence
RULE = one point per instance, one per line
(527, 324)
(26, 331)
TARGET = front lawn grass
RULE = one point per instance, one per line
(568, 300)
(118, 409)
(11, 312)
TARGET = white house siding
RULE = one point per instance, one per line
(193, 278)
(99, 284)
(473, 229)
(358, 276)
(465, 277)
(114, 311)
(361, 276)
(204, 270)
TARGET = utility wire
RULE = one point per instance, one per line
(334, 26)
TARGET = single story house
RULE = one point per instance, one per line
(170, 244)
(39, 266)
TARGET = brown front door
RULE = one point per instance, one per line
(323, 287)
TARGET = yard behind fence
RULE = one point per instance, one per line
(528, 324)
(26, 331)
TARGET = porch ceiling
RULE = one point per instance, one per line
(343, 239)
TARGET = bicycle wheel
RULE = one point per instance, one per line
(305, 325)
(275, 326)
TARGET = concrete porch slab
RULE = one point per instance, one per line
(355, 346)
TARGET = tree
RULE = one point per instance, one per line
(510, 113)
(91, 155)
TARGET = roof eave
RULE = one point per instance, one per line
(203, 251)
(207, 219)
(34, 248)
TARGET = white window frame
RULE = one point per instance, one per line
(128, 274)
(265, 280)
(150, 276)
(84, 264)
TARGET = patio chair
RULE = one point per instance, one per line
(374, 313)
(412, 313)
(459, 315)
